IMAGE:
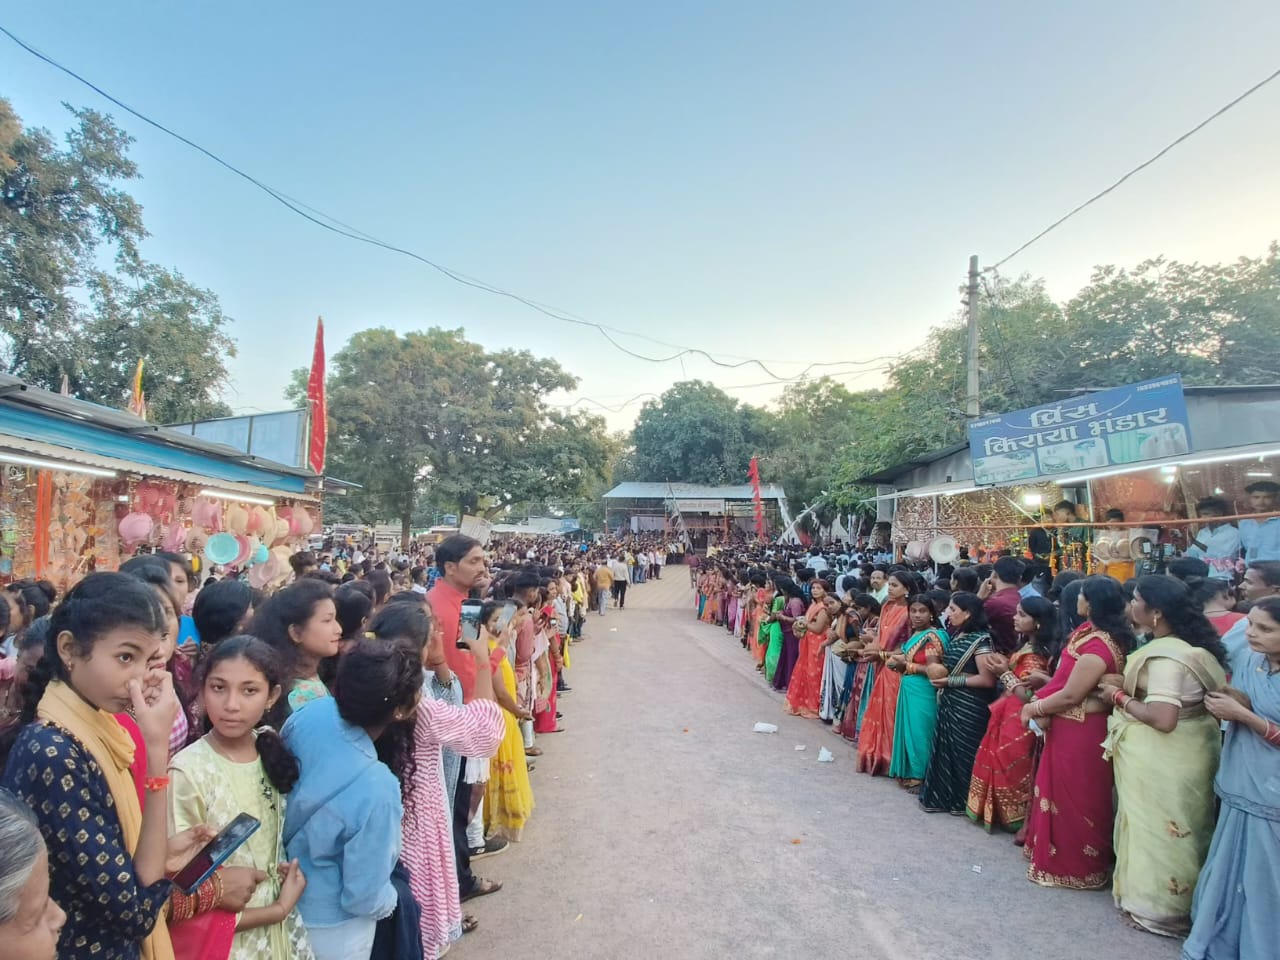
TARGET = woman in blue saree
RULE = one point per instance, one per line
(917, 713)
(1237, 897)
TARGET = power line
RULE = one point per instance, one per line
(1140, 167)
(330, 223)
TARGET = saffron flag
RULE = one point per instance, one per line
(138, 399)
(754, 473)
(315, 399)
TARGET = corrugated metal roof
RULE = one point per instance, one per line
(635, 490)
(54, 452)
(19, 394)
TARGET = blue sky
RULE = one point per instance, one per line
(785, 181)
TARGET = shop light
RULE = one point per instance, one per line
(237, 497)
(1259, 473)
(42, 464)
(1032, 499)
(1235, 456)
(1138, 467)
(1172, 469)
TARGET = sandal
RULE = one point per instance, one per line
(482, 889)
(533, 751)
(469, 923)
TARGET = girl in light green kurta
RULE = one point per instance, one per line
(236, 769)
(1164, 747)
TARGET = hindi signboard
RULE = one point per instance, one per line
(715, 507)
(1142, 421)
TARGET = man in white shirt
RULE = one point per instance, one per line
(1217, 543)
(816, 562)
(1261, 538)
(618, 566)
(879, 584)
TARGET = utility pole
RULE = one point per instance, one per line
(971, 405)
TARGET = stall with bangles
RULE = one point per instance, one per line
(85, 487)
(1138, 477)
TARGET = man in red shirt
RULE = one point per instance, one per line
(458, 578)
(463, 569)
(1000, 594)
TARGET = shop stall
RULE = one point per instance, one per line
(1133, 496)
(85, 487)
(700, 515)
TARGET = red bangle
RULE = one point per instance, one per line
(1272, 736)
(155, 784)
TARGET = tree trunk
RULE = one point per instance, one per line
(406, 519)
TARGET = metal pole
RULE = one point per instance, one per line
(971, 405)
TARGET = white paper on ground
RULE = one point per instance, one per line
(825, 756)
(765, 728)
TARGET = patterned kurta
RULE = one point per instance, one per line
(472, 731)
(208, 788)
(91, 874)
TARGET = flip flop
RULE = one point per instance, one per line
(469, 923)
(482, 889)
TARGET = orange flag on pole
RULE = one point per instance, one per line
(138, 400)
(315, 399)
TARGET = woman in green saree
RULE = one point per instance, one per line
(1164, 747)
(917, 712)
(771, 629)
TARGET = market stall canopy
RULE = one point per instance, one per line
(46, 424)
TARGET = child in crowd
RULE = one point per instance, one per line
(242, 767)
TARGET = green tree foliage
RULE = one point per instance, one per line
(1214, 324)
(62, 209)
(432, 411)
(697, 433)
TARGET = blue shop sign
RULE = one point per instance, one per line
(1143, 421)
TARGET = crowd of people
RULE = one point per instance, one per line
(381, 748)
(1081, 715)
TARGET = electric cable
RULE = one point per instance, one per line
(328, 222)
(1140, 167)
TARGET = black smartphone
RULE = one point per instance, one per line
(215, 852)
(469, 623)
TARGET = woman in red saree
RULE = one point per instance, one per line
(1004, 769)
(861, 676)
(875, 741)
(804, 693)
(1069, 832)
(712, 587)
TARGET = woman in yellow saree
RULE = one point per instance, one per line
(1164, 747)
(508, 801)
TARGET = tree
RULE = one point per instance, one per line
(696, 433)
(60, 210)
(179, 330)
(57, 208)
(433, 411)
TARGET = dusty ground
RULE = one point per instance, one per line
(666, 828)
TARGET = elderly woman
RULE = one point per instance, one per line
(29, 919)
